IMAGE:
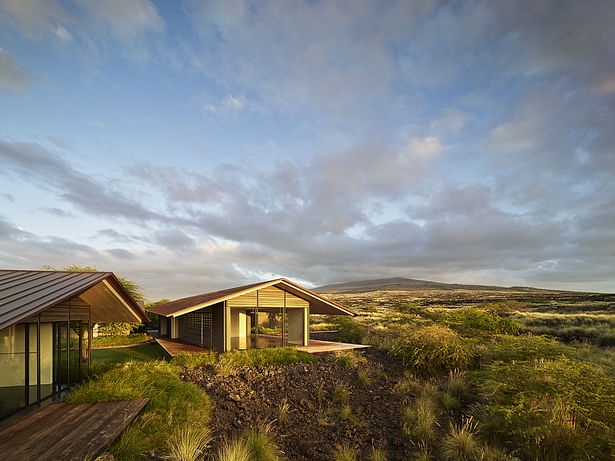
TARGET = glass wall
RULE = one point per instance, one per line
(35, 360)
(266, 327)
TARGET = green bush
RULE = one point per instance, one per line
(434, 349)
(524, 347)
(551, 409)
(133, 338)
(470, 319)
(349, 330)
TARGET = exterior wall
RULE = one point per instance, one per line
(164, 322)
(297, 320)
(267, 297)
(217, 325)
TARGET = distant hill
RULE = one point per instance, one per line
(403, 284)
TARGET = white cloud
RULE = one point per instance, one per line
(11, 76)
(126, 18)
(227, 105)
(63, 34)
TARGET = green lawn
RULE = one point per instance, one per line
(123, 354)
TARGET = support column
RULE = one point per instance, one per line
(38, 360)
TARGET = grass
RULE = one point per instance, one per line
(188, 441)
(283, 410)
(377, 454)
(103, 359)
(133, 338)
(261, 445)
(186, 359)
(340, 393)
(363, 379)
(550, 408)
(460, 444)
(255, 444)
(350, 359)
(270, 356)
(173, 403)
(346, 413)
(234, 450)
(345, 452)
(420, 419)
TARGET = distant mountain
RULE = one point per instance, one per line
(403, 284)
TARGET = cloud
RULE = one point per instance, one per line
(35, 18)
(11, 76)
(126, 19)
(33, 162)
(8, 197)
(230, 104)
(63, 34)
(57, 212)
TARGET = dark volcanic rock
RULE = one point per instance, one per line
(252, 396)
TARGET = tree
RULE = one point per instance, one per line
(131, 287)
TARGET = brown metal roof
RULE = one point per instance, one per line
(26, 293)
(318, 304)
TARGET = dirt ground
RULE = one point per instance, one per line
(315, 422)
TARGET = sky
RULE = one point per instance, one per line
(192, 146)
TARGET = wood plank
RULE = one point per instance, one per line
(69, 431)
(117, 416)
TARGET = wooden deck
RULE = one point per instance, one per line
(66, 431)
(318, 347)
(173, 347)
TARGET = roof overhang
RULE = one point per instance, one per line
(318, 304)
(25, 294)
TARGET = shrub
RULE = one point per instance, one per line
(433, 349)
(187, 442)
(349, 330)
(420, 419)
(133, 338)
(552, 409)
(472, 318)
(524, 347)
(460, 444)
(409, 308)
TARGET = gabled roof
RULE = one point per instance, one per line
(318, 304)
(26, 293)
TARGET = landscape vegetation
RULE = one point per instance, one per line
(453, 373)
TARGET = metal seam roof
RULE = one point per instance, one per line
(25, 293)
(183, 305)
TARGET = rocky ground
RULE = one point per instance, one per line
(314, 395)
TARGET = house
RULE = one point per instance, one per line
(265, 314)
(46, 320)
